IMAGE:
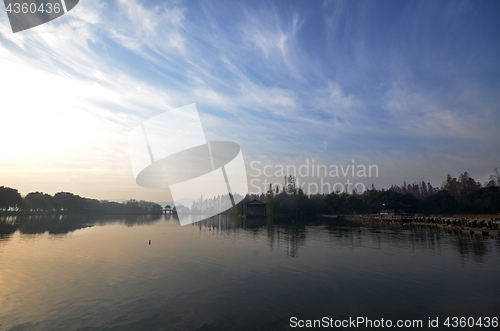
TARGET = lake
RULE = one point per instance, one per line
(78, 273)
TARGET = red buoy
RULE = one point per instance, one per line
(150, 241)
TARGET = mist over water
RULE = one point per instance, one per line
(65, 273)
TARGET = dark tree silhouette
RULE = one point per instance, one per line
(9, 198)
(38, 201)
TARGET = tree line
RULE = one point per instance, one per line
(65, 202)
(456, 195)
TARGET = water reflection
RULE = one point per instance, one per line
(235, 273)
(131, 220)
(346, 233)
(286, 232)
(7, 228)
(291, 233)
(294, 233)
(51, 224)
(62, 224)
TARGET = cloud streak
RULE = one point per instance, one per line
(337, 80)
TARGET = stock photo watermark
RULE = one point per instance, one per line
(170, 152)
(315, 178)
(24, 15)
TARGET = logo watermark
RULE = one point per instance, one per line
(170, 151)
(26, 14)
(311, 177)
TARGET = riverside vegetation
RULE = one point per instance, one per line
(456, 195)
(65, 202)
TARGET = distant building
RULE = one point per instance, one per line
(393, 208)
(168, 210)
(254, 208)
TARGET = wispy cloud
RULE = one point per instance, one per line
(333, 80)
(414, 113)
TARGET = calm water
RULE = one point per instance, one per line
(88, 274)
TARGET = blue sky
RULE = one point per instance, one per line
(409, 86)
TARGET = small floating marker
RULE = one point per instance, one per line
(150, 241)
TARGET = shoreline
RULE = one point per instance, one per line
(470, 226)
(15, 213)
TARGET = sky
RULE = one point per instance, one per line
(409, 86)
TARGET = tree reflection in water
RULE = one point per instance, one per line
(294, 232)
(291, 233)
(61, 224)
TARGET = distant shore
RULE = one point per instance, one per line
(481, 225)
(23, 213)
